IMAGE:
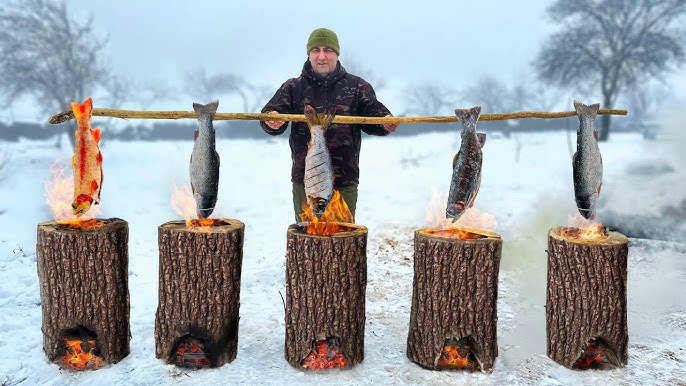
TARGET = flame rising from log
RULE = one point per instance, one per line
(337, 212)
(472, 219)
(59, 193)
(184, 205)
(583, 229)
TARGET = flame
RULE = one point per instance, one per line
(76, 358)
(472, 218)
(457, 356)
(59, 194)
(325, 354)
(583, 229)
(592, 357)
(191, 353)
(184, 205)
(337, 212)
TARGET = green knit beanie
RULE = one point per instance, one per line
(323, 37)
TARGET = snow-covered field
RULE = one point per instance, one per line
(527, 186)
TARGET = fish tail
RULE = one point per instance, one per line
(314, 119)
(83, 110)
(208, 109)
(467, 116)
(584, 110)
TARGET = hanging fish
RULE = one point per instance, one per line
(587, 164)
(318, 170)
(204, 164)
(87, 159)
(466, 178)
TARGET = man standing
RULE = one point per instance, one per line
(328, 88)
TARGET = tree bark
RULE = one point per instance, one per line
(455, 293)
(586, 297)
(326, 280)
(199, 289)
(83, 277)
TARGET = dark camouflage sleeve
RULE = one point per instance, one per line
(281, 102)
(369, 106)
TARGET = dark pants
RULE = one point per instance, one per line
(349, 194)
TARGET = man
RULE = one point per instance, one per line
(327, 87)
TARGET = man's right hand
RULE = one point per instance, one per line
(274, 125)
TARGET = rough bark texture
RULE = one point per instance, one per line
(586, 297)
(199, 290)
(326, 280)
(83, 276)
(454, 295)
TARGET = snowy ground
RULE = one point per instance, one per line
(526, 184)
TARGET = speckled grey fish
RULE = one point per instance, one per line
(587, 164)
(204, 165)
(466, 178)
(318, 170)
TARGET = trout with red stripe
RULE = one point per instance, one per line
(87, 159)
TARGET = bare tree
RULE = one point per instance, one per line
(429, 99)
(354, 67)
(201, 85)
(49, 56)
(611, 45)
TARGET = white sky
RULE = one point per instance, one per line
(451, 43)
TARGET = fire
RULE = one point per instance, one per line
(337, 212)
(191, 353)
(471, 219)
(325, 354)
(184, 205)
(583, 229)
(79, 355)
(59, 193)
(593, 356)
(457, 356)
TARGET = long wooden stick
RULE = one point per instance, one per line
(137, 114)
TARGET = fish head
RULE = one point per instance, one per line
(204, 204)
(81, 204)
(318, 205)
(455, 209)
(587, 206)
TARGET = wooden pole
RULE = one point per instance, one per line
(136, 114)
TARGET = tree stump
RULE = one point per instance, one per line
(199, 289)
(83, 277)
(454, 297)
(586, 297)
(326, 280)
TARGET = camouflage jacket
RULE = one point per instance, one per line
(339, 92)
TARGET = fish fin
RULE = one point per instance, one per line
(455, 159)
(597, 192)
(193, 188)
(73, 162)
(76, 133)
(96, 135)
(208, 109)
(98, 158)
(482, 139)
(195, 134)
(596, 136)
(326, 122)
(83, 110)
(311, 116)
(218, 160)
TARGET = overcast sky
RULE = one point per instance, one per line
(451, 43)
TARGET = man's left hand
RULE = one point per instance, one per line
(390, 127)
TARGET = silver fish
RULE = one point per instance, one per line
(318, 170)
(466, 178)
(587, 164)
(204, 165)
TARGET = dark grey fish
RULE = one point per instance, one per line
(204, 165)
(466, 178)
(318, 170)
(587, 164)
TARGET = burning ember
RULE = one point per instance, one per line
(337, 212)
(466, 227)
(593, 357)
(184, 205)
(458, 355)
(191, 353)
(583, 229)
(59, 195)
(325, 354)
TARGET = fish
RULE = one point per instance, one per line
(587, 163)
(466, 177)
(87, 159)
(318, 170)
(204, 163)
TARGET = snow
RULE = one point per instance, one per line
(527, 186)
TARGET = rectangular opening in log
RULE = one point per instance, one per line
(325, 354)
(81, 351)
(191, 352)
(458, 354)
